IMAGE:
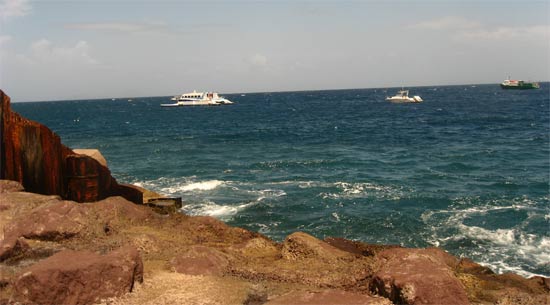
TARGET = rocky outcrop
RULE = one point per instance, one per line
(219, 264)
(79, 277)
(55, 220)
(418, 276)
(33, 155)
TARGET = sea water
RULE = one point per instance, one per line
(467, 170)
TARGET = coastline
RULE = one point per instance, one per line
(197, 259)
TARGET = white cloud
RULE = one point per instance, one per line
(449, 22)
(258, 60)
(541, 32)
(462, 29)
(14, 8)
(45, 52)
(117, 26)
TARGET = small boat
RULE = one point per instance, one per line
(518, 84)
(198, 99)
(402, 96)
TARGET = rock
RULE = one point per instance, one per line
(12, 247)
(9, 186)
(333, 297)
(30, 153)
(201, 260)
(22, 202)
(79, 277)
(112, 208)
(259, 247)
(300, 245)
(94, 153)
(513, 297)
(418, 276)
(5, 277)
(33, 155)
(466, 265)
(17, 204)
(356, 247)
(206, 228)
(542, 281)
(56, 221)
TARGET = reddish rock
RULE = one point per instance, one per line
(12, 247)
(466, 265)
(356, 247)
(542, 281)
(79, 277)
(200, 260)
(8, 186)
(33, 155)
(206, 228)
(333, 297)
(55, 221)
(418, 276)
(5, 277)
(112, 208)
(515, 297)
(300, 245)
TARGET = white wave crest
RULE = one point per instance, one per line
(210, 208)
(202, 186)
(493, 247)
(364, 189)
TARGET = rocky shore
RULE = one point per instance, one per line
(70, 234)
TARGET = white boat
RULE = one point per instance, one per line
(198, 99)
(402, 96)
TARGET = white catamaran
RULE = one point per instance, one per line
(198, 99)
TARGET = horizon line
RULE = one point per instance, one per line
(259, 92)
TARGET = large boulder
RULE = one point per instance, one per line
(79, 277)
(55, 221)
(418, 276)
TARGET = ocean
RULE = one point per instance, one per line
(467, 170)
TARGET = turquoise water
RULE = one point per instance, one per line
(467, 170)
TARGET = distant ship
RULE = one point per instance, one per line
(518, 84)
(402, 96)
(198, 99)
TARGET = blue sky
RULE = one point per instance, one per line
(54, 50)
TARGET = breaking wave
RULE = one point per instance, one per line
(493, 244)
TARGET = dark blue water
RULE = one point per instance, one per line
(467, 170)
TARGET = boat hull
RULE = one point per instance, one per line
(186, 104)
(520, 87)
(404, 100)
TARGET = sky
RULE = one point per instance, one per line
(86, 49)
